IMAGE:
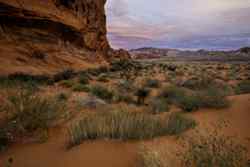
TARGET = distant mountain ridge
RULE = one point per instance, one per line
(177, 54)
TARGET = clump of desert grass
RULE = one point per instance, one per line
(149, 158)
(102, 92)
(215, 150)
(189, 100)
(124, 125)
(28, 113)
(158, 105)
(243, 87)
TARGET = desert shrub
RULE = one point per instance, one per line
(158, 105)
(214, 150)
(189, 103)
(28, 112)
(80, 88)
(123, 97)
(171, 67)
(64, 75)
(126, 85)
(243, 87)
(25, 80)
(177, 123)
(102, 78)
(213, 98)
(245, 50)
(90, 102)
(62, 96)
(126, 125)
(102, 92)
(4, 139)
(122, 65)
(202, 82)
(67, 83)
(152, 83)
(149, 158)
(142, 94)
(29, 78)
(84, 78)
(98, 71)
(172, 93)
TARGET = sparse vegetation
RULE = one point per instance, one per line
(4, 139)
(190, 101)
(149, 158)
(80, 88)
(198, 83)
(102, 92)
(64, 75)
(27, 113)
(102, 78)
(84, 79)
(21, 79)
(213, 98)
(215, 150)
(172, 93)
(142, 94)
(243, 87)
(152, 83)
(158, 105)
(62, 96)
(67, 83)
(127, 125)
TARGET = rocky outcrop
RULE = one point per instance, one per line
(65, 33)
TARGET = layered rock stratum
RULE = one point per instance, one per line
(44, 36)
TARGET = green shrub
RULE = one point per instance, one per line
(62, 96)
(80, 88)
(24, 80)
(152, 83)
(172, 93)
(102, 92)
(213, 98)
(4, 139)
(126, 125)
(202, 82)
(29, 112)
(142, 94)
(177, 123)
(123, 97)
(102, 78)
(68, 83)
(243, 87)
(126, 86)
(64, 75)
(158, 105)
(189, 103)
(84, 79)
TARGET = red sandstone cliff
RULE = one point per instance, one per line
(43, 36)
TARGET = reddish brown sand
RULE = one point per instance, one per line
(118, 154)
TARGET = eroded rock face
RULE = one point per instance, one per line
(81, 22)
(55, 27)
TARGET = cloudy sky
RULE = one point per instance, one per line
(186, 24)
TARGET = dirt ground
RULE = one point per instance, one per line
(124, 154)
